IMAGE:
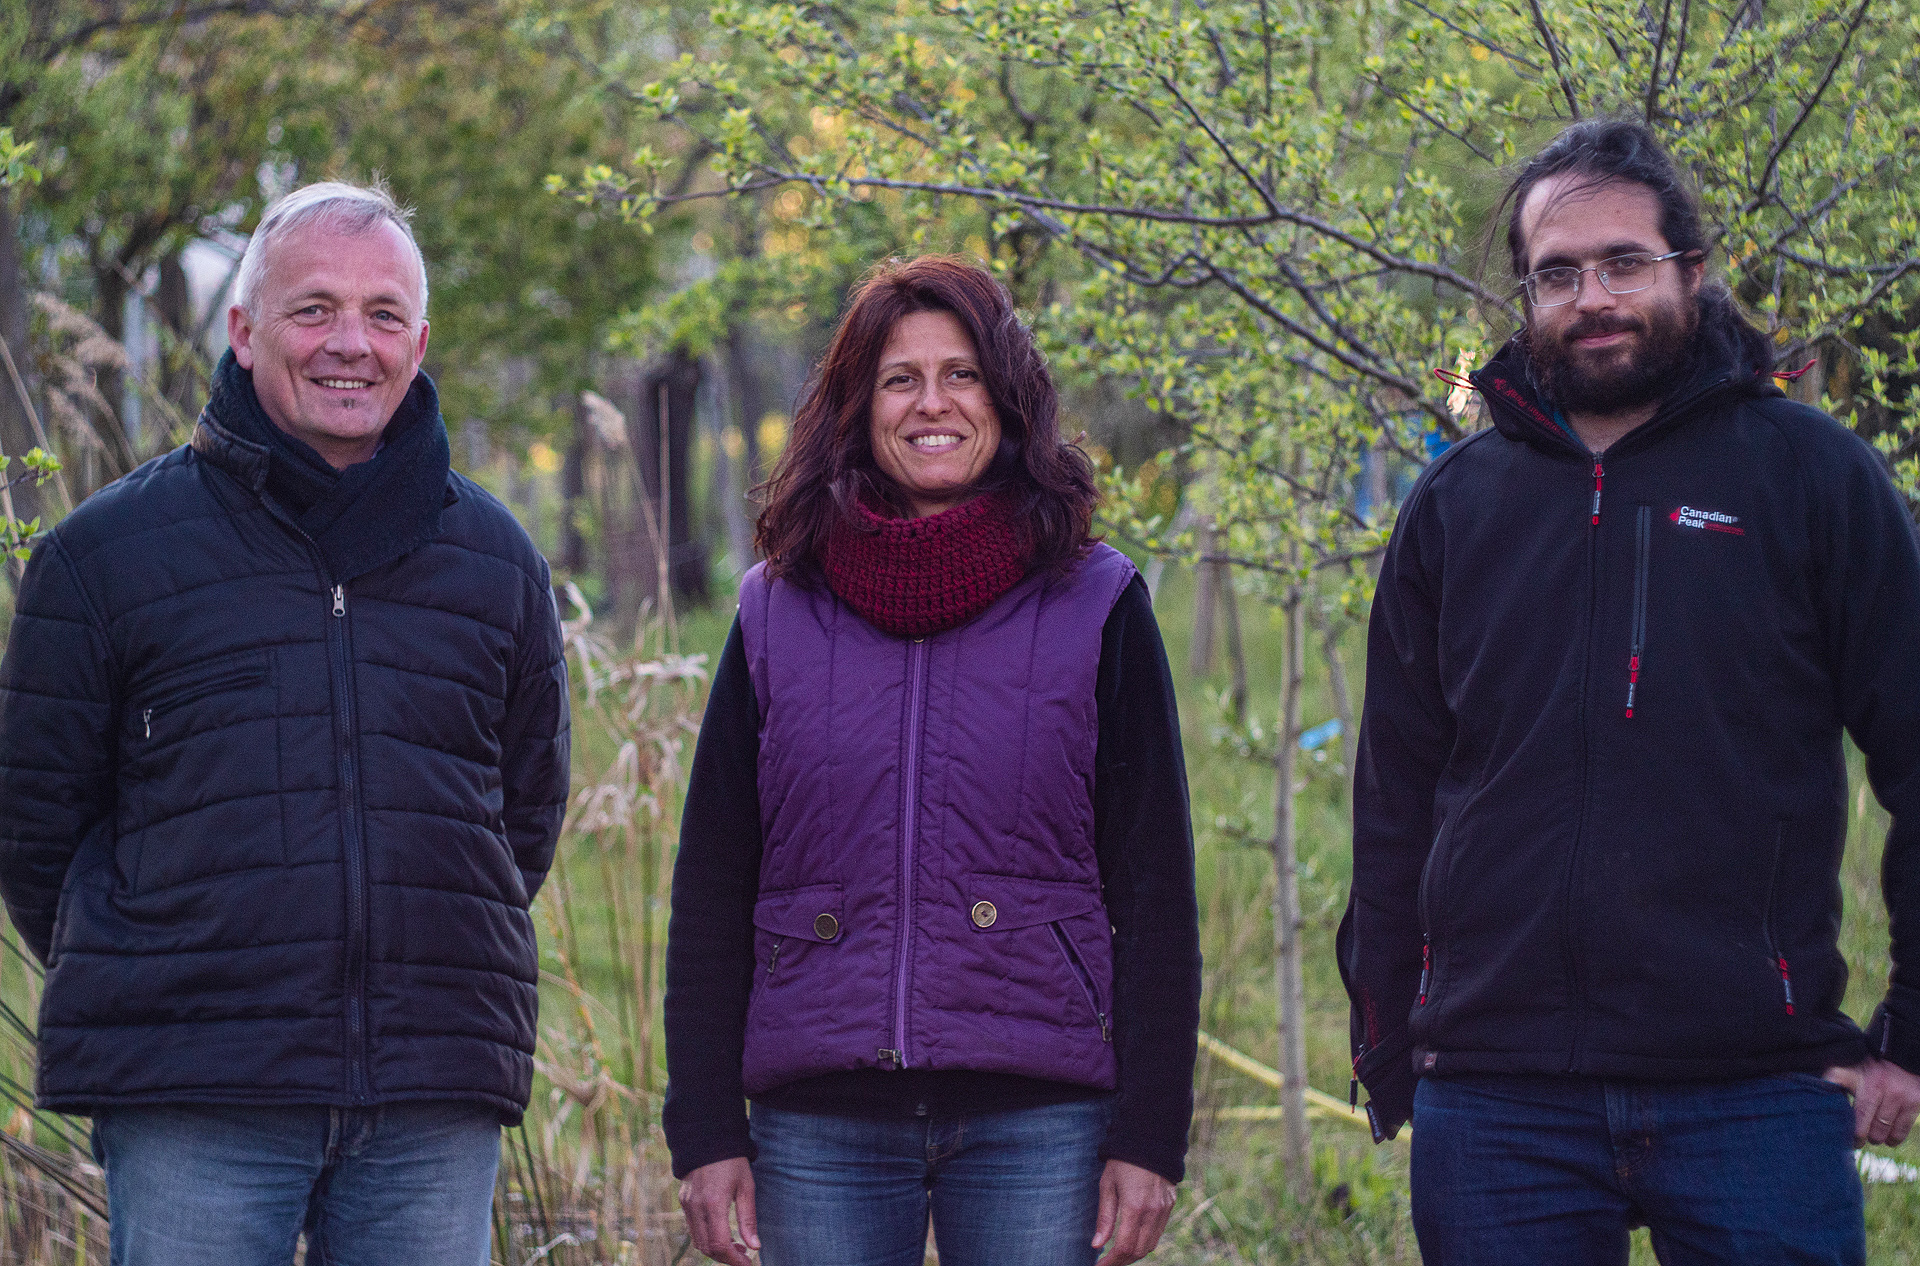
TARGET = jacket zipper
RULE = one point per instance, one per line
(1642, 544)
(1085, 978)
(1426, 967)
(339, 635)
(1572, 959)
(773, 959)
(909, 830)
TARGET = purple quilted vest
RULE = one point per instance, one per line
(929, 896)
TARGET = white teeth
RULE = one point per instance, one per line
(343, 384)
(935, 441)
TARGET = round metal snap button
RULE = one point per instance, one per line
(826, 927)
(984, 914)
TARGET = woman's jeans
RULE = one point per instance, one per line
(1016, 1188)
(407, 1184)
(1523, 1169)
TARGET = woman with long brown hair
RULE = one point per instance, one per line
(933, 911)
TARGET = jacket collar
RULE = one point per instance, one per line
(1732, 361)
(376, 511)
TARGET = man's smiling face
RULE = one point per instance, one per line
(1603, 353)
(336, 335)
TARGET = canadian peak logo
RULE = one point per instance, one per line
(1711, 520)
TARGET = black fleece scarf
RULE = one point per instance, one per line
(369, 514)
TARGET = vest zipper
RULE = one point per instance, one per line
(1642, 545)
(909, 831)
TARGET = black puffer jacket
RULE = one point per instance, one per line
(289, 796)
(1600, 800)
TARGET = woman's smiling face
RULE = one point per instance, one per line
(934, 428)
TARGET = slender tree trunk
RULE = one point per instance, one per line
(1289, 979)
(1329, 630)
(1236, 653)
(16, 422)
(663, 448)
(749, 403)
(179, 357)
(573, 491)
(1205, 604)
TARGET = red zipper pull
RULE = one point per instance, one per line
(1633, 680)
(1426, 969)
(1786, 983)
(1597, 473)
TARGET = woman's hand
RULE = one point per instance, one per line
(711, 1192)
(1134, 1206)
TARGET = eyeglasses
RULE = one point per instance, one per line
(1621, 275)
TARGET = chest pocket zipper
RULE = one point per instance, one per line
(233, 679)
(1642, 547)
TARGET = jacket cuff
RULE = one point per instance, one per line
(1170, 1166)
(1387, 1072)
(1894, 1032)
(686, 1160)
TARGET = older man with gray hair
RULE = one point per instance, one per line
(283, 757)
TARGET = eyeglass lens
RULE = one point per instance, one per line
(1621, 275)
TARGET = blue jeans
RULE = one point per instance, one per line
(408, 1184)
(1521, 1169)
(1016, 1188)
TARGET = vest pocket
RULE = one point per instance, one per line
(1002, 905)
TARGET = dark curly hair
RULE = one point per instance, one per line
(829, 465)
(1626, 151)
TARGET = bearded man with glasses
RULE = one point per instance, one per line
(1601, 798)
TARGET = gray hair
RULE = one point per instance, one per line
(345, 208)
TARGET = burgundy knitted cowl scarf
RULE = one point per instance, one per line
(915, 577)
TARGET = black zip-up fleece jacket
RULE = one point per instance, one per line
(1601, 798)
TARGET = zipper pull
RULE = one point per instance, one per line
(773, 959)
(1597, 473)
(339, 601)
(1106, 1026)
(890, 1058)
(1786, 983)
(1426, 968)
(1633, 682)
(146, 720)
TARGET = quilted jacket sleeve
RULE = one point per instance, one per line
(56, 740)
(535, 741)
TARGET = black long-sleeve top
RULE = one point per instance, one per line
(1143, 842)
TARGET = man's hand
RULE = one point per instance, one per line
(1134, 1206)
(1886, 1098)
(708, 1196)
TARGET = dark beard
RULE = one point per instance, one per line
(1605, 384)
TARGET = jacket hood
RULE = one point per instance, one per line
(1731, 358)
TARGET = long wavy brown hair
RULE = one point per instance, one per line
(829, 464)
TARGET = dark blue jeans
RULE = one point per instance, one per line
(409, 1184)
(1016, 1188)
(1514, 1169)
